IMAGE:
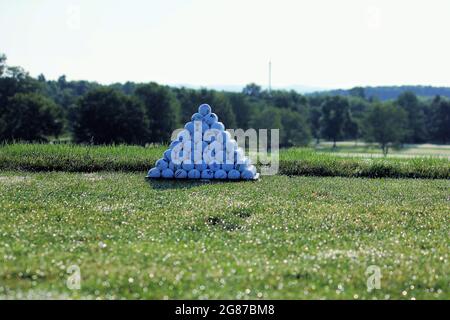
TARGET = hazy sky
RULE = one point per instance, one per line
(209, 42)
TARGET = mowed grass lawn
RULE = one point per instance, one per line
(280, 237)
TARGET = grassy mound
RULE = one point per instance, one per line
(296, 161)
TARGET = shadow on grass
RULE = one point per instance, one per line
(163, 184)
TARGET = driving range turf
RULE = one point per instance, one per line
(284, 236)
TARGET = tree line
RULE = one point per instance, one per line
(36, 109)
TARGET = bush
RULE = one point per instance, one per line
(105, 116)
(30, 117)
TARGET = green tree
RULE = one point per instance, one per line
(30, 117)
(2, 63)
(386, 124)
(416, 132)
(252, 90)
(162, 110)
(334, 115)
(440, 120)
(314, 120)
(358, 92)
(14, 80)
(243, 109)
(269, 118)
(295, 129)
(105, 116)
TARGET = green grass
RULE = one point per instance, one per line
(301, 161)
(295, 161)
(372, 149)
(280, 237)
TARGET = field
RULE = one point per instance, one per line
(285, 236)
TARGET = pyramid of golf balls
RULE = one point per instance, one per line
(204, 150)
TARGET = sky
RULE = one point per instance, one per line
(315, 43)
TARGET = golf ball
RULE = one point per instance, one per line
(167, 173)
(184, 135)
(201, 166)
(189, 126)
(218, 125)
(211, 118)
(207, 174)
(247, 175)
(214, 166)
(161, 164)
(220, 174)
(234, 174)
(173, 166)
(187, 165)
(205, 127)
(173, 144)
(154, 173)
(180, 174)
(204, 109)
(196, 116)
(227, 166)
(167, 155)
(194, 174)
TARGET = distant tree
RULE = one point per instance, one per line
(314, 120)
(269, 118)
(2, 63)
(295, 129)
(440, 120)
(243, 108)
(30, 117)
(334, 115)
(252, 90)
(105, 116)
(351, 128)
(416, 132)
(289, 100)
(386, 124)
(162, 110)
(358, 92)
(15, 80)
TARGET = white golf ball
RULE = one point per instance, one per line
(201, 166)
(220, 174)
(180, 174)
(161, 164)
(189, 126)
(207, 174)
(234, 174)
(187, 165)
(204, 109)
(214, 166)
(173, 144)
(154, 173)
(167, 155)
(194, 174)
(197, 117)
(218, 126)
(167, 173)
(211, 118)
(227, 166)
(247, 175)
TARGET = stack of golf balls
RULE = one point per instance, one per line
(204, 150)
